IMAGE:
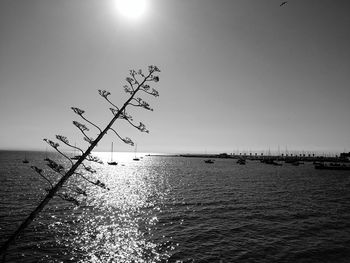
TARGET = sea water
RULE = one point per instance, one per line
(176, 209)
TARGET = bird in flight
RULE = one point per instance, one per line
(283, 3)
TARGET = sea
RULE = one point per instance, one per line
(176, 209)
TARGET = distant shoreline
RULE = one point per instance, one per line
(342, 157)
(306, 158)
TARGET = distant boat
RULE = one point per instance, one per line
(296, 163)
(241, 161)
(209, 161)
(271, 161)
(322, 166)
(112, 162)
(25, 160)
(135, 158)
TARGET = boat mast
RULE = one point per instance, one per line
(112, 153)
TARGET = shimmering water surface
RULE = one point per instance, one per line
(172, 209)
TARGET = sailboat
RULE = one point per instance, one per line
(25, 158)
(46, 156)
(112, 162)
(135, 158)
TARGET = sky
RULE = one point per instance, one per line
(237, 76)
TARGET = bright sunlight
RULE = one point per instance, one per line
(133, 9)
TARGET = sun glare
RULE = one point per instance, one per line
(131, 8)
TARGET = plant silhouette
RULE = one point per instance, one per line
(138, 82)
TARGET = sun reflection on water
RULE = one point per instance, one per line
(117, 225)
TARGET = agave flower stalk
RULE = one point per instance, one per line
(133, 88)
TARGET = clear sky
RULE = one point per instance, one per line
(236, 74)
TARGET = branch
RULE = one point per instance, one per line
(105, 94)
(141, 127)
(89, 139)
(40, 172)
(126, 140)
(55, 166)
(66, 142)
(154, 92)
(97, 183)
(89, 169)
(79, 191)
(153, 68)
(153, 78)
(95, 159)
(132, 82)
(141, 103)
(129, 90)
(80, 113)
(83, 128)
(68, 198)
(141, 73)
(55, 146)
(123, 115)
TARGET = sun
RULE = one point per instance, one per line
(133, 9)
